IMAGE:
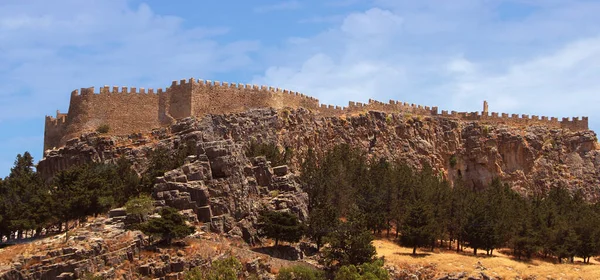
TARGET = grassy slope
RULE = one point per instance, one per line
(499, 265)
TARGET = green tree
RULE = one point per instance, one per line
(350, 243)
(321, 222)
(418, 227)
(140, 207)
(171, 225)
(280, 226)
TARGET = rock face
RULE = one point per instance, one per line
(227, 191)
(531, 159)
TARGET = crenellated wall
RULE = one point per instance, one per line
(131, 110)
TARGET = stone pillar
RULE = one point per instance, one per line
(485, 107)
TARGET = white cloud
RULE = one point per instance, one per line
(448, 56)
(282, 6)
(50, 48)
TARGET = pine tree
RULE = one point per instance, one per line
(321, 222)
(351, 242)
(418, 228)
(280, 226)
(171, 225)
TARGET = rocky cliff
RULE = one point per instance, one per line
(531, 159)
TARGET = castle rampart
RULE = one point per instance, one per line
(129, 110)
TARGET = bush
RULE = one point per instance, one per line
(169, 226)
(105, 128)
(270, 151)
(300, 272)
(366, 271)
(453, 161)
(224, 269)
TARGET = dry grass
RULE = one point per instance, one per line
(499, 265)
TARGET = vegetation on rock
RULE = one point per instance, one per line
(282, 226)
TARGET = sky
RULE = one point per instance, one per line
(536, 57)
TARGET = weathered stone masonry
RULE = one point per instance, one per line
(132, 110)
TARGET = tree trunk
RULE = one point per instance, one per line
(388, 229)
(276, 242)
(475, 251)
(414, 251)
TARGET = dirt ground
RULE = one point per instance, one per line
(499, 265)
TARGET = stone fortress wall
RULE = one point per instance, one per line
(132, 110)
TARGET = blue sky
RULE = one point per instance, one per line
(538, 57)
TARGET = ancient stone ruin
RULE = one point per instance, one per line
(132, 110)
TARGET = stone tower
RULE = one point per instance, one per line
(485, 107)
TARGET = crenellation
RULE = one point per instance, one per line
(185, 98)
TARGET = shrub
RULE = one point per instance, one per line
(171, 225)
(453, 161)
(274, 193)
(225, 269)
(105, 128)
(300, 272)
(270, 151)
(370, 271)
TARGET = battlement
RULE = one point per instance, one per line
(131, 109)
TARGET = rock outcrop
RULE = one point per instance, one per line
(531, 159)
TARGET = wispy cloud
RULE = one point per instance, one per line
(323, 19)
(449, 56)
(49, 49)
(282, 6)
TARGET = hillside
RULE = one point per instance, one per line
(531, 159)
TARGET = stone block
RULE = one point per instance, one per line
(204, 214)
(280, 170)
(117, 212)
